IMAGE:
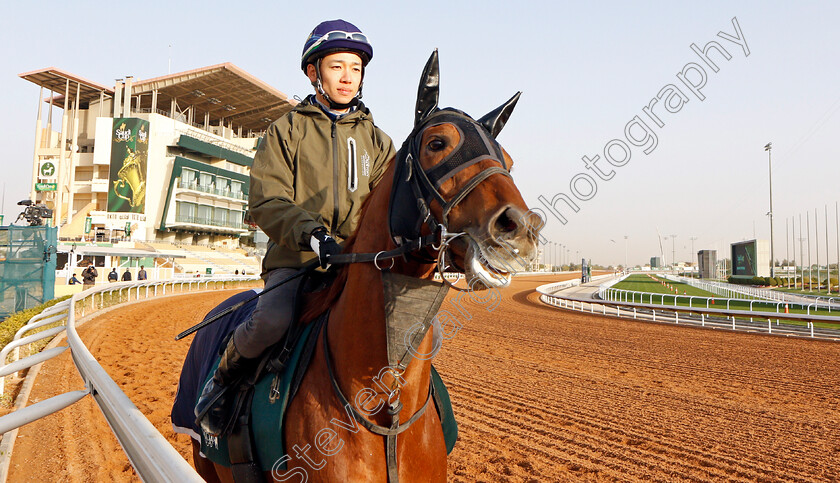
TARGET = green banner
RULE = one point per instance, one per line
(46, 186)
(88, 222)
(129, 156)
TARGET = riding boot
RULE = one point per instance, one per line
(212, 410)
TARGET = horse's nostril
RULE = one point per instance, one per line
(504, 223)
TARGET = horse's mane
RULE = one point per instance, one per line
(316, 303)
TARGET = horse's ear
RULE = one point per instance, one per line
(427, 93)
(495, 120)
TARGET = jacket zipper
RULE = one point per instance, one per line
(334, 223)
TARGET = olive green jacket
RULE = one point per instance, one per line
(311, 171)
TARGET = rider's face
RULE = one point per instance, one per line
(341, 76)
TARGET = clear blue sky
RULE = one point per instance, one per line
(585, 70)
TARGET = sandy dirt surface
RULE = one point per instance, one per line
(540, 395)
(135, 346)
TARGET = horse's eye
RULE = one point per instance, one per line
(436, 144)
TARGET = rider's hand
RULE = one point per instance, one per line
(323, 245)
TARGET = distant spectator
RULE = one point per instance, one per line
(141, 275)
(73, 280)
(126, 276)
(236, 273)
(89, 275)
(113, 276)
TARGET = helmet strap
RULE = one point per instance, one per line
(332, 104)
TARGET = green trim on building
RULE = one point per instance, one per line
(209, 149)
(181, 163)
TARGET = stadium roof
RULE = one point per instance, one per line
(56, 80)
(222, 90)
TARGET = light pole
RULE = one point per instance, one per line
(551, 257)
(801, 256)
(767, 148)
(625, 252)
(561, 256)
(673, 252)
(544, 256)
(694, 254)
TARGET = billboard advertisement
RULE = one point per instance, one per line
(129, 157)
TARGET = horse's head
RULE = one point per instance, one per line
(453, 175)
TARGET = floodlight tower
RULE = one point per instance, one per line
(625, 252)
(693, 254)
(673, 251)
(768, 147)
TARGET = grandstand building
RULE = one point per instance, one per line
(150, 166)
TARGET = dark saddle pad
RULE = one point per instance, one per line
(271, 396)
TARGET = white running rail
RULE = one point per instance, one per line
(150, 454)
(621, 303)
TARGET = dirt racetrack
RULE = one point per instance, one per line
(540, 395)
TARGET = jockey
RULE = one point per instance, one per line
(312, 170)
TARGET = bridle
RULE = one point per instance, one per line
(415, 188)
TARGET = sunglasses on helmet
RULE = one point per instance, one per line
(335, 35)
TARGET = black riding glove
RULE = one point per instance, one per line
(323, 245)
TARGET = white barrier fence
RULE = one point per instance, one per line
(150, 454)
(739, 320)
(746, 291)
(607, 292)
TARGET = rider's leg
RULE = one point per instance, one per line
(271, 317)
(265, 327)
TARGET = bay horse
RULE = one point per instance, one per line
(449, 183)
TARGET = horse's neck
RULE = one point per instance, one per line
(357, 334)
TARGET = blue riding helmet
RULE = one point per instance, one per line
(335, 36)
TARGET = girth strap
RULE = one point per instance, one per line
(390, 433)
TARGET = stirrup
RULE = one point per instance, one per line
(202, 417)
